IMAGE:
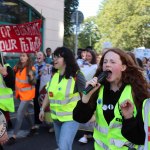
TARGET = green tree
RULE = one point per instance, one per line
(70, 7)
(89, 34)
(69, 41)
(125, 23)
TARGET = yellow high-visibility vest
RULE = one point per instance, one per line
(6, 97)
(109, 137)
(62, 97)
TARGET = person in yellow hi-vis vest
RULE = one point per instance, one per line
(6, 96)
(6, 99)
(62, 95)
(7, 81)
(118, 103)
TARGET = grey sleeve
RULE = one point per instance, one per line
(80, 82)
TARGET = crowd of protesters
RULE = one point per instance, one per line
(114, 108)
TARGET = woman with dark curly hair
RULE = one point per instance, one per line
(118, 103)
(63, 92)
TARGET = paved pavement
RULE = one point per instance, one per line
(43, 140)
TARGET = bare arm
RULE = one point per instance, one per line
(44, 105)
(45, 102)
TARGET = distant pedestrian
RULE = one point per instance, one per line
(48, 58)
(43, 75)
(88, 69)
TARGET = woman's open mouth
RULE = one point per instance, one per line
(109, 74)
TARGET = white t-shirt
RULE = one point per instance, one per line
(88, 71)
(46, 75)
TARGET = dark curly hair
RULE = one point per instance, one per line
(132, 75)
(69, 58)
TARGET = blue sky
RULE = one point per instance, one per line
(89, 7)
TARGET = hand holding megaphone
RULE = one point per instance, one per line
(100, 79)
(93, 85)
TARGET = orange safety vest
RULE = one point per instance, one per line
(23, 90)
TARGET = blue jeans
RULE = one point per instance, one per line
(65, 133)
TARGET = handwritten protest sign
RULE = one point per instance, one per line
(142, 52)
(21, 37)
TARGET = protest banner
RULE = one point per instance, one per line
(142, 52)
(21, 38)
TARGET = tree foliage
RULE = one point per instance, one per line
(89, 34)
(125, 23)
(69, 41)
(70, 7)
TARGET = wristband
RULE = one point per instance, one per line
(42, 109)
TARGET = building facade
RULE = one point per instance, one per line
(51, 12)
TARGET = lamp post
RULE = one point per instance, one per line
(90, 41)
(77, 18)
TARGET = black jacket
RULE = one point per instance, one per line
(9, 79)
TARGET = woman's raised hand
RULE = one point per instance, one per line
(3, 70)
(127, 109)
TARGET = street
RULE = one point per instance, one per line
(43, 140)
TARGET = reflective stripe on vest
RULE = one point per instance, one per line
(2, 86)
(105, 130)
(147, 124)
(119, 126)
(22, 81)
(120, 144)
(101, 144)
(101, 129)
(6, 96)
(68, 88)
(76, 98)
(61, 113)
(25, 89)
